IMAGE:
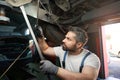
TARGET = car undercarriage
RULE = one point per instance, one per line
(54, 17)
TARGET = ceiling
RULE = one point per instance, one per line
(55, 15)
(64, 12)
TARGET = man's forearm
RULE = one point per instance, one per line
(42, 44)
(64, 74)
(45, 48)
(68, 75)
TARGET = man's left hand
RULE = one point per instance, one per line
(48, 67)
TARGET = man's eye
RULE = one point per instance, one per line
(68, 39)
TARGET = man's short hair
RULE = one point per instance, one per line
(81, 35)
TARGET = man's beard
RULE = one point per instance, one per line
(64, 47)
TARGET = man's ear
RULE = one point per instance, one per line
(79, 44)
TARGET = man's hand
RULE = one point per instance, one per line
(48, 67)
(37, 32)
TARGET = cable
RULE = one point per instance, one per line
(13, 63)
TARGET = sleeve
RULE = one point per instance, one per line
(58, 51)
(93, 61)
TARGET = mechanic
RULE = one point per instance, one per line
(71, 54)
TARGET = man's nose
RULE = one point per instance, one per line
(63, 40)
